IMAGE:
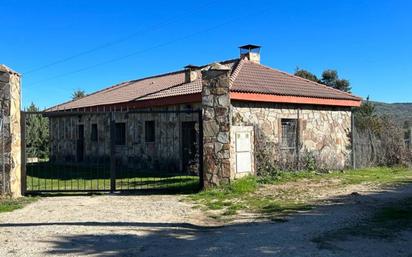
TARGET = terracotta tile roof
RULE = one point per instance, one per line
(127, 91)
(246, 77)
(250, 77)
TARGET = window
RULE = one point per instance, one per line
(149, 130)
(289, 135)
(120, 133)
(93, 135)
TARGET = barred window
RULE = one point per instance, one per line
(289, 135)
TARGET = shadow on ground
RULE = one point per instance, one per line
(292, 238)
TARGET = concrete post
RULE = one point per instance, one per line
(10, 95)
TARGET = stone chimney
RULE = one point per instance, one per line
(251, 52)
(192, 73)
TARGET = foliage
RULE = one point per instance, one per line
(378, 140)
(329, 78)
(266, 164)
(37, 134)
(367, 118)
(77, 94)
(310, 161)
(306, 75)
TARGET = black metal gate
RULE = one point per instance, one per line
(3, 175)
(155, 150)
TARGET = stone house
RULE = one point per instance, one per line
(246, 108)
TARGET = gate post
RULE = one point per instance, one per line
(112, 153)
(216, 125)
(10, 175)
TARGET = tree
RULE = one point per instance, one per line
(366, 117)
(331, 79)
(379, 139)
(77, 94)
(37, 134)
(306, 75)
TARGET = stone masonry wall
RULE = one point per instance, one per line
(164, 151)
(10, 138)
(216, 126)
(323, 130)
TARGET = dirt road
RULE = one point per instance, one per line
(165, 226)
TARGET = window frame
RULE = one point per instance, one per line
(286, 142)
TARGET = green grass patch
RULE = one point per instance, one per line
(10, 204)
(379, 175)
(240, 195)
(243, 194)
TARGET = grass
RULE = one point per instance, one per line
(10, 204)
(379, 175)
(251, 194)
(240, 195)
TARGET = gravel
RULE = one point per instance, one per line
(163, 225)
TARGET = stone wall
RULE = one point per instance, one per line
(324, 131)
(164, 153)
(10, 173)
(216, 126)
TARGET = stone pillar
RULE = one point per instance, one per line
(216, 125)
(10, 138)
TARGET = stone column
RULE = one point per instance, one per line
(216, 125)
(10, 137)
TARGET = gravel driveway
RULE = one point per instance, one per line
(156, 225)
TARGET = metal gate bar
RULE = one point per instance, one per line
(97, 173)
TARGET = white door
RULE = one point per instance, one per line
(243, 152)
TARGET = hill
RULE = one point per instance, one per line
(400, 112)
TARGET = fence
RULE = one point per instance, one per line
(387, 147)
(113, 151)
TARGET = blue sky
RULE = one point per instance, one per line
(60, 46)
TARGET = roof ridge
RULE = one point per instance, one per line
(236, 71)
(306, 80)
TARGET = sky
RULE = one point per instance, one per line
(62, 46)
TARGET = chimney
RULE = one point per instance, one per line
(251, 52)
(192, 73)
